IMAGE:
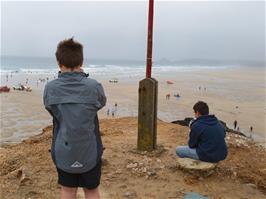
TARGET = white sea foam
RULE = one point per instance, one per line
(115, 70)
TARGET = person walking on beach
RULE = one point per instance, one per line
(235, 124)
(113, 111)
(206, 138)
(251, 129)
(108, 112)
(73, 101)
(115, 107)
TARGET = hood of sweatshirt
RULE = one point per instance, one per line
(207, 120)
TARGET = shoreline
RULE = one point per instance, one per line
(177, 122)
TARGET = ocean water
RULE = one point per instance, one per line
(46, 65)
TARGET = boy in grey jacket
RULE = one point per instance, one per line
(73, 100)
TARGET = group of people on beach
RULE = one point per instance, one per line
(73, 101)
(176, 95)
(112, 110)
(237, 128)
(42, 80)
(202, 88)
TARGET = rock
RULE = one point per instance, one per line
(132, 165)
(118, 171)
(187, 120)
(104, 162)
(21, 175)
(123, 186)
(144, 170)
(195, 164)
(184, 122)
(196, 167)
(102, 133)
(151, 173)
(162, 167)
(252, 185)
(129, 194)
(24, 180)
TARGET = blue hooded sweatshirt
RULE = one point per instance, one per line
(207, 136)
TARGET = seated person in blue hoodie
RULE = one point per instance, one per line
(206, 137)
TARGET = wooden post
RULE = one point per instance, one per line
(148, 94)
(147, 115)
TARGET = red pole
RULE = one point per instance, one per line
(149, 48)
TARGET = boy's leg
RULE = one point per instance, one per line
(68, 192)
(92, 193)
(186, 152)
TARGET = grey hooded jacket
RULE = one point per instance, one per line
(73, 101)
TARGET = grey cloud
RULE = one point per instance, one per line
(118, 30)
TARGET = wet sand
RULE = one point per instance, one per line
(232, 94)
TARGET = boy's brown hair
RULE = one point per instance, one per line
(201, 107)
(69, 53)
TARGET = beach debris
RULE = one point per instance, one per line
(4, 89)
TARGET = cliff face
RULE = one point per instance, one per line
(27, 170)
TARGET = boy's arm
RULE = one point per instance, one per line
(193, 137)
(101, 98)
(45, 96)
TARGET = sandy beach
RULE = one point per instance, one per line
(232, 93)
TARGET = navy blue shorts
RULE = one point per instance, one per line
(89, 179)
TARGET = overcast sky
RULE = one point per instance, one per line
(118, 30)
